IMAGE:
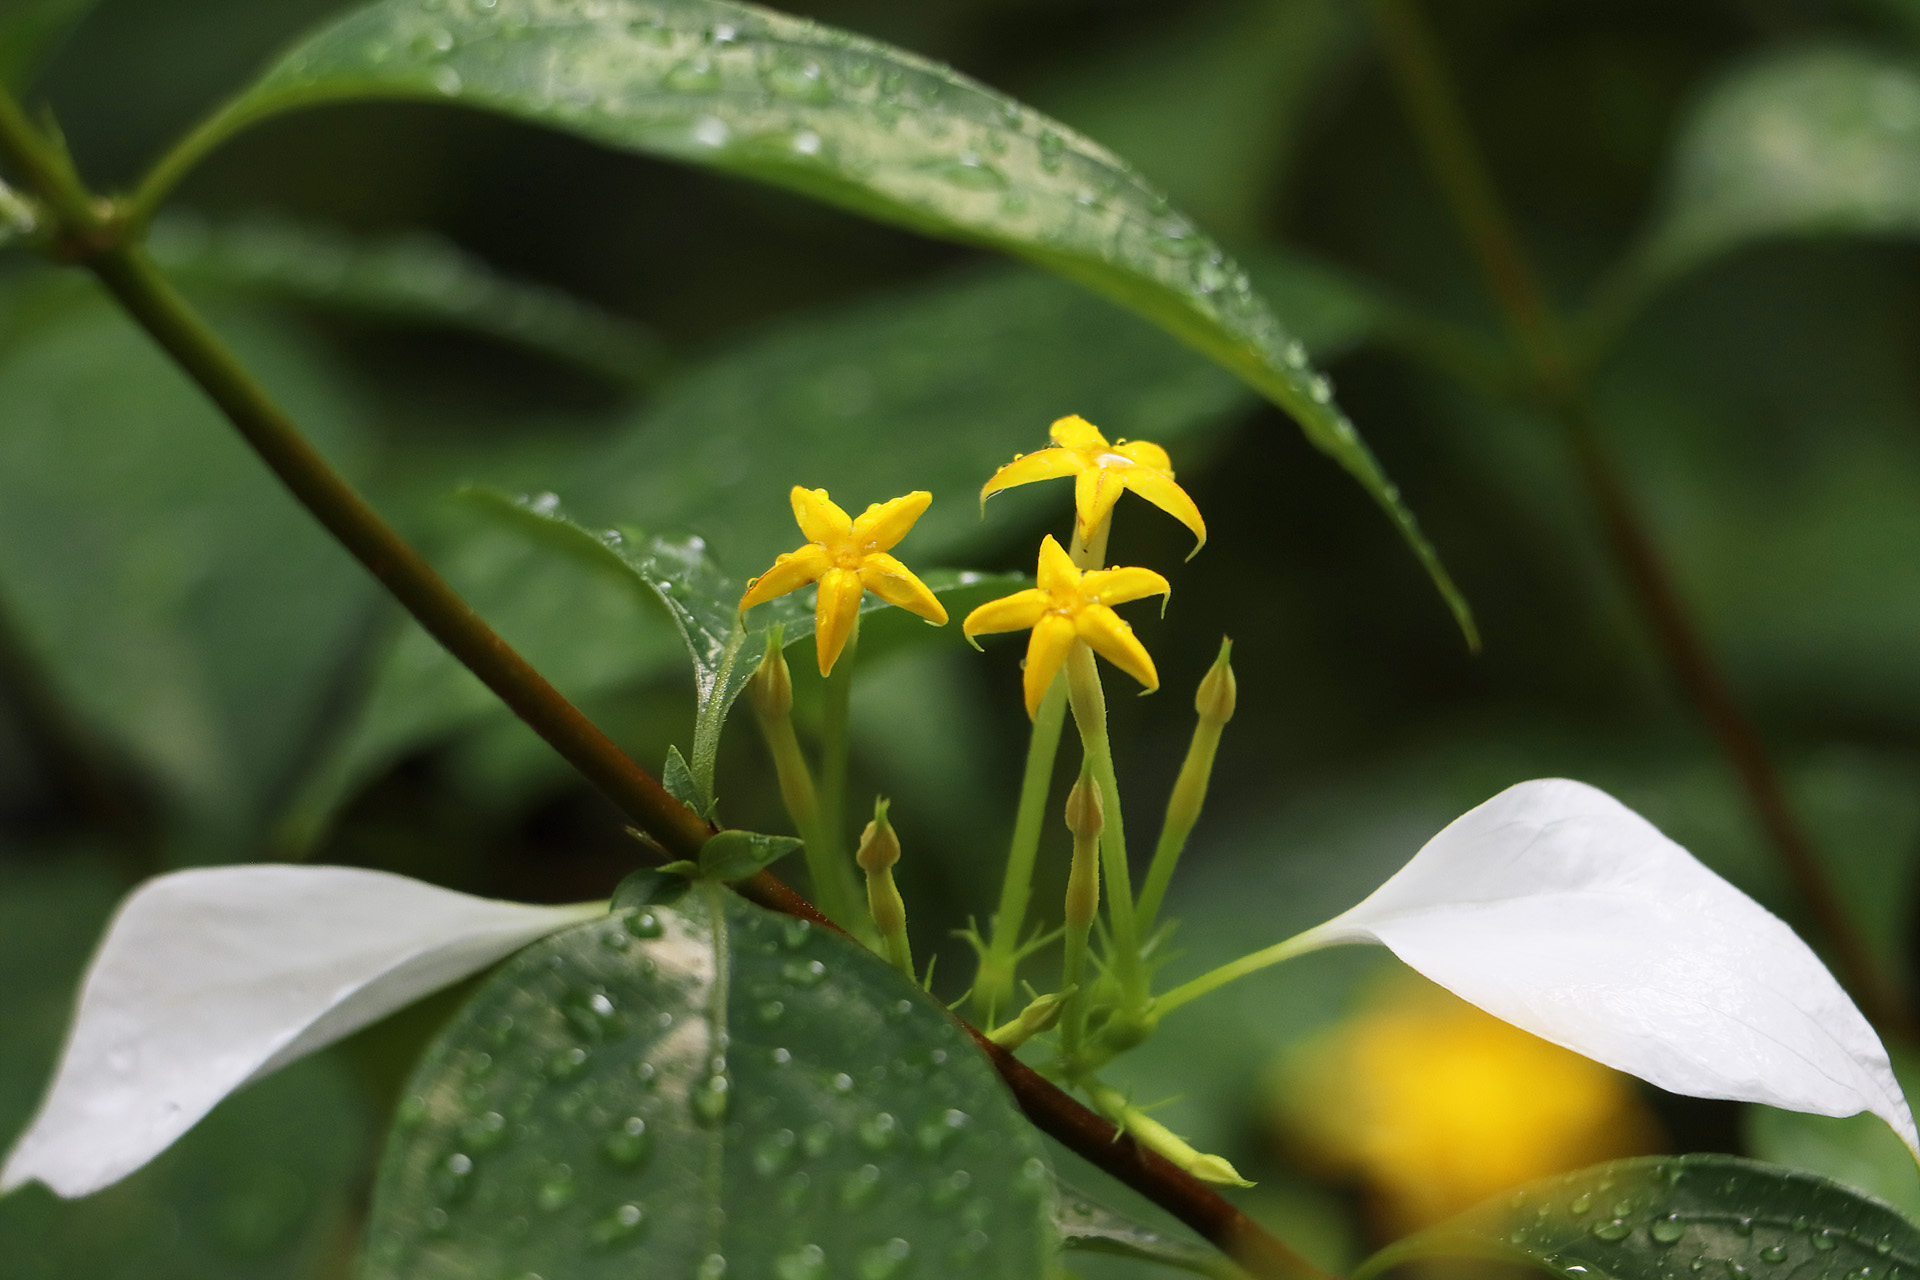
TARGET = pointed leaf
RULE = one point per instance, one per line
(1654, 1219)
(1557, 908)
(678, 780)
(735, 855)
(835, 116)
(210, 978)
(641, 1095)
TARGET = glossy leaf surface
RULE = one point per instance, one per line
(674, 1091)
(1656, 1218)
(847, 120)
(1812, 142)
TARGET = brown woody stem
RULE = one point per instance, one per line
(94, 236)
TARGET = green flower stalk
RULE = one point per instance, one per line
(879, 850)
(1156, 1137)
(1084, 819)
(1215, 702)
(771, 693)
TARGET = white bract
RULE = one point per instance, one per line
(212, 978)
(1558, 909)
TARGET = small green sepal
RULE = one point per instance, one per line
(677, 778)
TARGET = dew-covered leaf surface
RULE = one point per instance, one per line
(838, 117)
(707, 1089)
(1713, 1216)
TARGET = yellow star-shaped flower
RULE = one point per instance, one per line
(847, 556)
(1067, 607)
(1100, 472)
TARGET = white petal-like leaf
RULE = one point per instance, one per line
(211, 978)
(1562, 911)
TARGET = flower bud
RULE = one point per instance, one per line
(1084, 816)
(1037, 1018)
(771, 687)
(879, 846)
(1218, 691)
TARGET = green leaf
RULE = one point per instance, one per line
(735, 855)
(414, 278)
(1653, 1218)
(1822, 141)
(641, 1095)
(678, 780)
(169, 590)
(1084, 1223)
(835, 116)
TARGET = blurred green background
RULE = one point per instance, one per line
(190, 673)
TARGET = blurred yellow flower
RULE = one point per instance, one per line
(1433, 1105)
(1066, 607)
(1101, 472)
(846, 556)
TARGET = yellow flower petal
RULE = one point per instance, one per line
(1117, 586)
(789, 573)
(1076, 433)
(1057, 571)
(819, 517)
(834, 615)
(1107, 635)
(883, 524)
(1053, 638)
(1158, 488)
(893, 582)
(1046, 464)
(1016, 612)
(1095, 490)
(1147, 454)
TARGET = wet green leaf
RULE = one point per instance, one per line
(167, 587)
(1656, 1217)
(708, 1081)
(1084, 1223)
(414, 278)
(835, 116)
(1820, 141)
(735, 855)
